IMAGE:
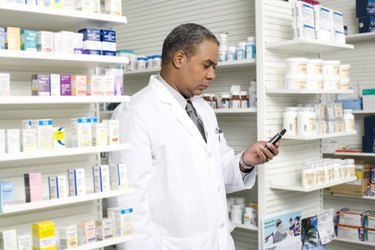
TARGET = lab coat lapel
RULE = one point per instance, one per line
(176, 110)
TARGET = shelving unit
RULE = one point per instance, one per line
(24, 207)
(316, 137)
(21, 100)
(351, 196)
(355, 154)
(63, 152)
(236, 111)
(363, 112)
(103, 243)
(300, 188)
(306, 46)
(306, 91)
(364, 243)
(246, 227)
(361, 37)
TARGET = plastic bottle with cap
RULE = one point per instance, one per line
(231, 53)
(253, 94)
(241, 51)
(250, 48)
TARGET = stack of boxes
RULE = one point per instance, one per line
(368, 139)
(366, 15)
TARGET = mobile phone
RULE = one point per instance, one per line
(277, 137)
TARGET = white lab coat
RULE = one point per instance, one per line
(180, 180)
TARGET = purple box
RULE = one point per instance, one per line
(66, 84)
(40, 85)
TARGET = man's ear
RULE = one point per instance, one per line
(179, 58)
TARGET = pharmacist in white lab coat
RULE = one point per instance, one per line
(181, 167)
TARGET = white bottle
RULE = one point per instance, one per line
(348, 120)
(241, 51)
(290, 120)
(231, 53)
(248, 218)
(253, 94)
(250, 48)
(351, 167)
(236, 214)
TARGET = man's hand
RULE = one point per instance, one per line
(260, 152)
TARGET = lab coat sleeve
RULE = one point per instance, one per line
(234, 181)
(138, 160)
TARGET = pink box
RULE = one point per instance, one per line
(33, 187)
(66, 84)
(108, 85)
(79, 85)
(95, 85)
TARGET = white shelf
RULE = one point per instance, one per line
(247, 227)
(307, 46)
(235, 111)
(355, 242)
(355, 154)
(63, 152)
(51, 19)
(307, 91)
(103, 243)
(300, 188)
(81, 61)
(61, 99)
(24, 207)
(220, 66)
(316, 137)
(351, 196)
(361, 37)
(363, 112)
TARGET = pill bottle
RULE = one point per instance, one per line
(244, 99)
(236, 214)
(241, 51)
(235, 102)
(290, 120)
(225, 101)
(231, 53)
(250, 48)
(348, 120)
(156, 61)
(214, 101)
(141, 62)
(207, 98)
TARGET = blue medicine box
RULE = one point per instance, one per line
(366, 24)
(91, 52)
(365, 8)
(108, 38)
(369, 126)
(29, 40)
(368, 144)
(354, 104)
(2, 38)
(90, 34)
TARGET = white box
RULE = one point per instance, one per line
(57, 42)
(350, 218)
(118, 78)
(44, 134)
(77, 43)
(349, 233)
(119, 178)
(95, 85)
(92, 6)
(13, 141)
(368, 96)
(108, 85)
(101, 178)
(81, 132)
(99, 134)
(45, 41)
(2, 142)
(113, 127)
(304, 20)
(323, 23)
(57, 187)
(4, 84)
(8, 239)
(58, 138)
(76, 179)
(24, 241)
(28, 139)
(124, 221)
(54, 80)
(68, 236)
(111, 215)
(104, 229)
(67, 42)
(113, 7)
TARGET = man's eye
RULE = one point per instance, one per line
(206, 66)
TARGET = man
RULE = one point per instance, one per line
(280, 234)
(180, 164)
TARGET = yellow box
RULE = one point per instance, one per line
(79, 85)
(58, 4)
(44, 235)
(13, 38)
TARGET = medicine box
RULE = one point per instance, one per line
(355, 188)
(366, 24)
(68, 236)
(77, 43)
(2, 142)
(91, 39)
(76, 180)
(371, 190)
(81, 132)
(58, 137)
(108, 39)
(118, 80)
(13, 142)
(45, 41)
(66, 85)
(99, 134)
(108, 85)
(368, 144)
(368, 96)
(124, 221)
(350, 218)
(8, 239)
(369, 235)
(66, 42)
(28, 140)
(353, 104)
(350, 233)
(6, 193)
(54, 80)
(104, 229)
(44, 235)
(29, 40)
(57, 42)
(369, 126)
(4, 84)
(24, 241)
(92, 6)
(363, 8)
(113, 7)
(33, 187)
(323, 23)
(79, 85)
(303, 20)
(101, 178)
(118, 174)
(89, 231)
(13, 38)
(40, 85)
(57, 4)
(369, 219)
(2, 38)
(57, 187)
(113, 127)
(44, 134)
(95, 85)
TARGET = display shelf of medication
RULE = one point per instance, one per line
(350, 196)
(361, 37)
(23, 207)
(14, 100)
(321, 136)
(236, 111)
(364, 243)
(103, 243)
(307, 92)
(63, 152)
(363, 112)
(246, 227)
(300, 188)
(355, 154)
(80, 61)
(40, 17)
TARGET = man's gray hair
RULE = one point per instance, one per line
(185, 37)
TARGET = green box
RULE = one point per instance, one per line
(29, 40)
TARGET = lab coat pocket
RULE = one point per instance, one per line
(201, 242)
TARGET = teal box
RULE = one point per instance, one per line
(6, 193)
(29, 40)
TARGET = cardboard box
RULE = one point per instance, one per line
(350, 233)
(355, 188)
(368, 144)
(368, 96)
(369, 235)
(350, 218)
(44, 235)
(369, 123)
(29, 40)
(33, 187)
(8, 239)
(369, 219)
(13, 38)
